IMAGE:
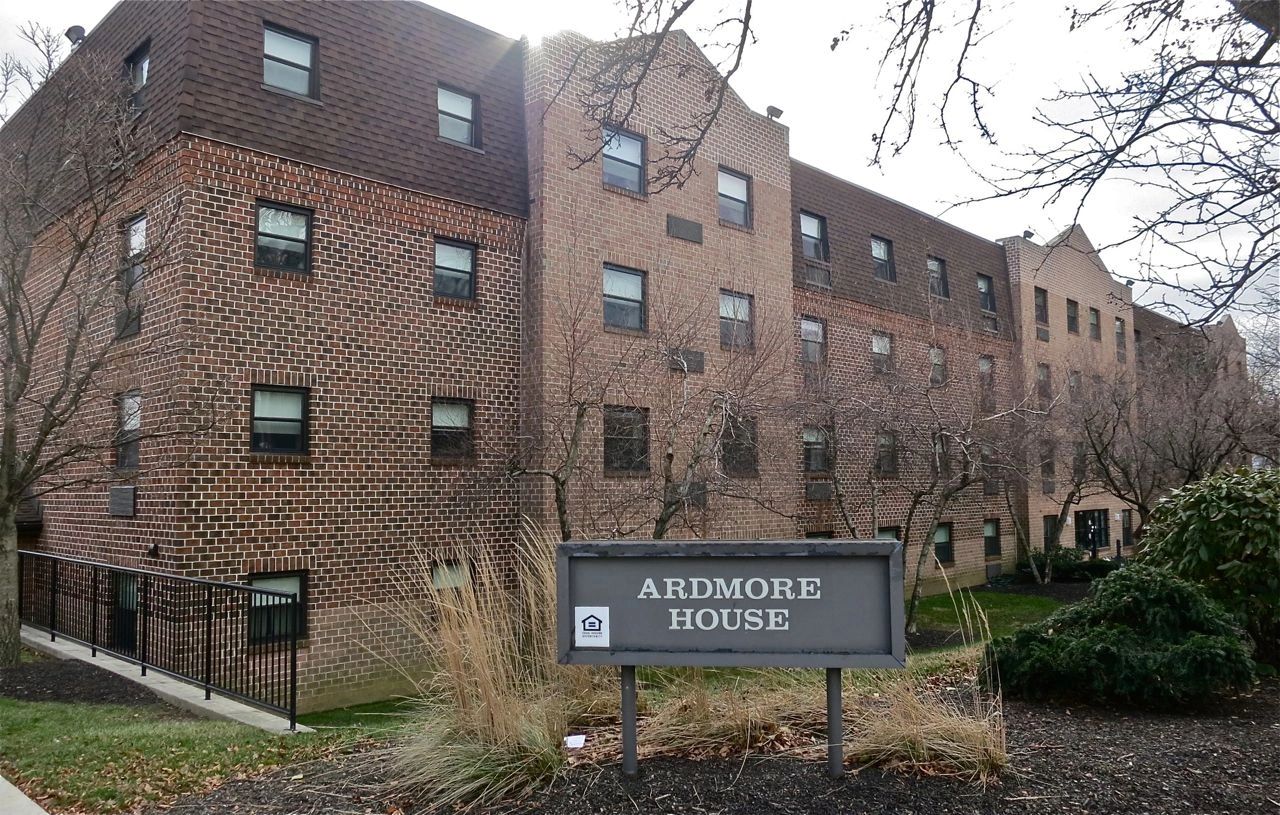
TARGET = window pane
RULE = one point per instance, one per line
(455, 257)
(282, 46)
(811, 330)
(623, 314)
(622, 175)
(735, 307)
(277, 436)
(990, 529)
(942, 534)
(733, 211)
(733, 186)
(277, 405)
(879, 249)
(453, 415)
(451, 283)
(623, 147)
(456, 130)
(810, 226)
(131, 412)
(287, 254)
(138, 236)
(290, 583)
(881, 344)
(286, 77)
(457, 104)
(618, 283)
(282, 223)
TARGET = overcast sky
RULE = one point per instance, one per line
(831, 101)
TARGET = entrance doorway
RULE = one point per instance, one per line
(1091, 530)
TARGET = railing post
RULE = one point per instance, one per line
(53, 602)
(93, 612)
(144, 600)
(208, 640)
(293, 666)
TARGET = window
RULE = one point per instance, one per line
(813, 236)
(1049, 527)
(816, 458)
(457, 116)
(937, 366)
(941, 463)
(735, 320)
(288, 61)
(1074, 385)
(284, 238)
(735, 197)
(1079, 463)
(986, 293)
(938, 284)
(886, 453)
(813, 340)
(136, 69)
(128, 429)
(279, 420)
(889, 533)
(882, 259)
(819, 276)
(452, 430)
(623, 160)
(455, 272)
(987, 382)
(991, 537)
(1121, 342)
(881, 352)
(1044, 382)
(129, 320)
(1073, 317)
(942, 547)
(1095, 324)
(987, 462)
(739, 448)
(273, 618)
(1048, 470)
(1042, 306)
(626, 439)
(450, 574)
(624, 298)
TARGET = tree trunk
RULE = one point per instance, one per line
(10, 625)
(926, 547)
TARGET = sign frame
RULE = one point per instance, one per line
(568, 654)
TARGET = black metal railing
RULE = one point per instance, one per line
(235, 640)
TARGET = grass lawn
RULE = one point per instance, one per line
(108, 758)
(1004, 612)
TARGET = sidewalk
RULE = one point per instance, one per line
(13, 802)
(183, 695)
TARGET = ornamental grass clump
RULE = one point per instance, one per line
(1141, 637)
(495, 706)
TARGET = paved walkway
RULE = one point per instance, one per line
(173, 691)
(13, 802)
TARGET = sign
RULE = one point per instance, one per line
(795, 604)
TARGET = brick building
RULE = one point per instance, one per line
(415, 281)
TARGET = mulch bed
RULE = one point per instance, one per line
(1066, 761)
(46, 679)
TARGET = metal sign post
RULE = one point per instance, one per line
(792, 604)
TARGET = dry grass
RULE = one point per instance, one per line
(495, 706)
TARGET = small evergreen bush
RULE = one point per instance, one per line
(1071, 566)
(1141, 637)
(1223, 532)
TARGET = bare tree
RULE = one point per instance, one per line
(75, 262)
(1195, 128)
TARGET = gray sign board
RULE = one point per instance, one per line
(797, 604)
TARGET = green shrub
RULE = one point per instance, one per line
(1141, 637)
(1071, 566)
(1223, 532)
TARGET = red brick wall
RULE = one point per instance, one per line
(365, 334)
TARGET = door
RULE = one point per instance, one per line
(1091, 530)
(124, 612)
